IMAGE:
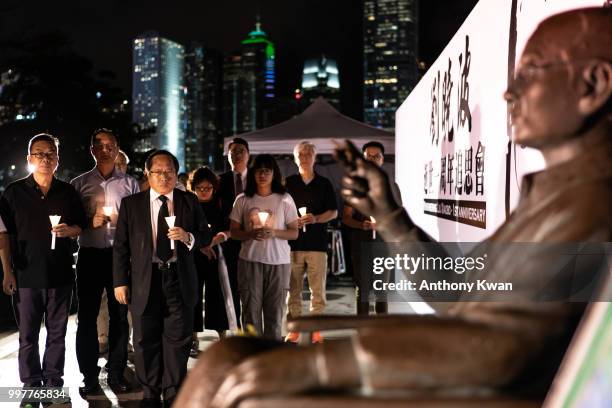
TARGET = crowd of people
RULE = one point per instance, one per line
(165, 259)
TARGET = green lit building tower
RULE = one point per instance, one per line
(203, 144)
(249, 84)
(258, 93)
(158, 93)
(320, 78)
(390, 43)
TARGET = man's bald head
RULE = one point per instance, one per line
(575, 35)
(563, 81)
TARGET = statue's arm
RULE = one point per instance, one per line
(417, 355)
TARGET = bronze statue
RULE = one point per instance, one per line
(561, 104)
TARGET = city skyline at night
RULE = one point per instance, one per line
(84, 66)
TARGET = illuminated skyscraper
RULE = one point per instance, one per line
(203, 145)
(258, 55)
(249, 84)
(390, 43)
(233, 83)
(320, 78)
(158, 93)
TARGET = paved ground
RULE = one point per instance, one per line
(340, 301)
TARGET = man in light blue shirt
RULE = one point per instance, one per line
(101, 190)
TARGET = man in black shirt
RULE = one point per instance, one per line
(315, 196)
(43, 275)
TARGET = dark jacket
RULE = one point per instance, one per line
(132, 249)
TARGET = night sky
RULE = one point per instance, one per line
(102, 31)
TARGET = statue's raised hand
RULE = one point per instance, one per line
(366, 187)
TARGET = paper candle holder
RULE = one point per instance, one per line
(302, 211)
(170, 221)
(373, 231)
(108, 211)
(55, 219)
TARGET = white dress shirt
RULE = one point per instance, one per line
(2, 227)
(96, 192)
(156, 204)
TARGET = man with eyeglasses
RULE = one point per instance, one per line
(101, 189)
(361, 228)
(231, 184)
(158, 279)
(43, 275)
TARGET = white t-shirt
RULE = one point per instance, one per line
(281, 211)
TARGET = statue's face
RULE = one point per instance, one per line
(544, 103)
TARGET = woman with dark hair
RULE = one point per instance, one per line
(264, 218)
(204, 183)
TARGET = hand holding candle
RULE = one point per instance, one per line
(373, 230)
(108, 211)
(55, 219)
(302, 211)
(170, 221)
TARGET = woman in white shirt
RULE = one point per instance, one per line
(264, 218)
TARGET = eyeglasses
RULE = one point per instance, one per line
(373, 156)
(160, 173)
(529, 71)
(204, 189)
(42, 156)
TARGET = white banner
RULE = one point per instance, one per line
(453, 166)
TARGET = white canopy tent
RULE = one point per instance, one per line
(320, 123)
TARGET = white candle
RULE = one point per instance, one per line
(55, 219)
(170, 221)
(373, 230)
(108, 211)
(302, 211)
(263, 217)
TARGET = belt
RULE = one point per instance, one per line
(164, 266)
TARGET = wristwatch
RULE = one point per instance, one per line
(189, 239)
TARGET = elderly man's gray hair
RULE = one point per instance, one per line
(303, 145)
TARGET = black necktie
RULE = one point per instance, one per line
(239, 187)
(164, 253)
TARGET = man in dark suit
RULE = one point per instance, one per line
(231, 184)
(157, 281)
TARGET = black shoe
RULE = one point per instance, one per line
(117, 382)
(57, 401)
(150, 403)
(27, 386)
(195, 346)
(90, 387)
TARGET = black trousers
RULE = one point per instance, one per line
(212, 315)
(94, 274)
(363, 275)
(162, 336)
(30, 307)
